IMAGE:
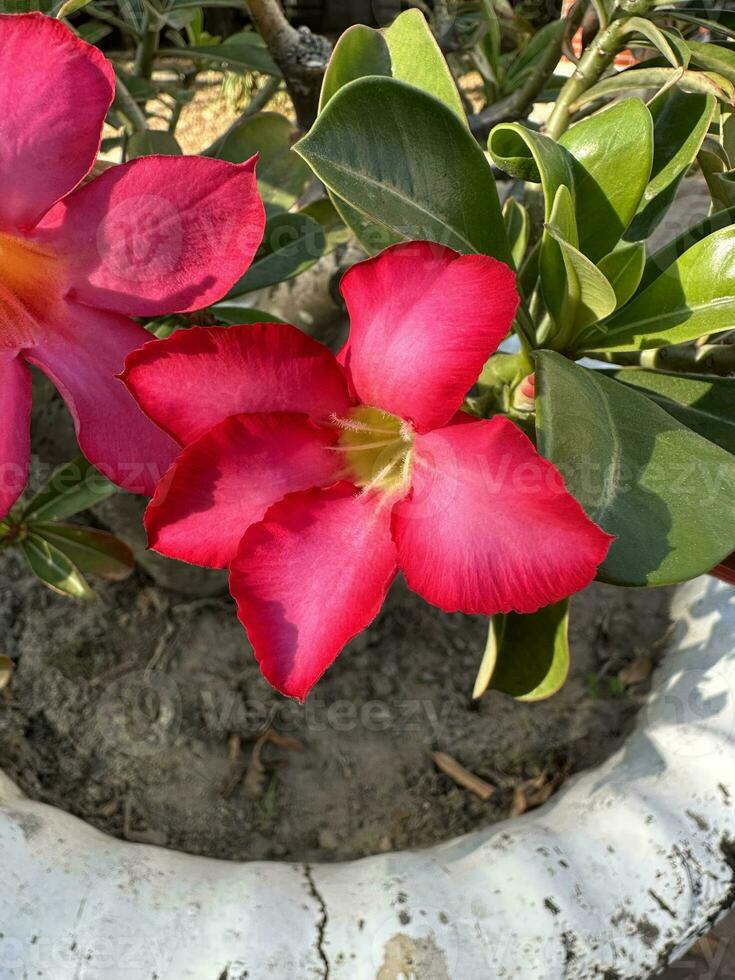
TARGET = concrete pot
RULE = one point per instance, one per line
(612, 878)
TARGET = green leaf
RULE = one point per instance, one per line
(71, 7)
(282, 174)
(360, 51)
(417, 59)
(369, 232)
(405, 160)
(324, 212)
(54, 569)
(670, 252)
(91, 551)
(623, 268)
(613, 154)
(73, 487)
(664, 491)
(242, 52)
(635, 79)
(576, 293)
(231, 315)
(526, 656)
(720, 180)
(291, 244)
(714, 57)
(703, 403)
(671, 46)
(517, 228)
(149, 141)
(407, 51)
(693, 297)
(528, 155)
(680, 123)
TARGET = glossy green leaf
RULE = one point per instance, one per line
(664, 491)
(527, 656)
(714, 57)
(417, 59)
(635, 79)
(680, 123)
(404, 159)
(693, 297)
(282, 174)
(291, 244)
(575, 291)
(149, 141)
(517, 228)
(720, 179)
(623, 268)
(360, 51)
(72, 488)
(703, 403)
(407, 51)
(54, 569)
(613, 155)
(671, 46)
(71, 7)
(670, 252)
(91, 551)
(242, 52)
(529, 155)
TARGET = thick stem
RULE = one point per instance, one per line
(683, 358)
(127, 106)
(596, 59)
(301, 56)
(145, 56)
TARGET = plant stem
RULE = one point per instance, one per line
(126, 104)
(596, 59)
(145, 56)
(683, 358)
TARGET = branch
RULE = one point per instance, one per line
(301, 56)
(683, 358)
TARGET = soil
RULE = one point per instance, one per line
(140, 712)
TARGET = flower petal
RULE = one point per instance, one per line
(308, 578)
(229, 477)
(197, 377)
(15, 442)
(159, 234)
(423, 321)
(490, 527)
(55, 91)
(82, 357)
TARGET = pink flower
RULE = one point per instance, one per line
(154, 236)
(316, 481)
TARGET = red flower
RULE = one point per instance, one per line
(157, 235)
(316, 482)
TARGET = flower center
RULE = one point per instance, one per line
(28, 289)
(378, 449)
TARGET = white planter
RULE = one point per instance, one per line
(615, 876)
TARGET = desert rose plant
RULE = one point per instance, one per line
(598, 442)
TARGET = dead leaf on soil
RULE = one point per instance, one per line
(6, 671)
(531, 793)
(463, 777)
(636, 671)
